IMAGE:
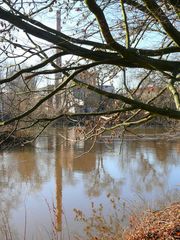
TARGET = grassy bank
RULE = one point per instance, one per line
(163, 224)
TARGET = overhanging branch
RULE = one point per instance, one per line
(134, 103)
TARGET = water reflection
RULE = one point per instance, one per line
(56, 171)
(58, 186)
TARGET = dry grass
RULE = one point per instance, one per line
(98, 226)
(156, 225)
(150, 225)
(5, 229)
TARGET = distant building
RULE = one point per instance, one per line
(108, 88)
(87, 100)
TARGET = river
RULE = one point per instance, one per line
(40, 185)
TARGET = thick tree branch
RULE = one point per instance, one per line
(175, 94)
(138, 6)
(96, 10)
(134, 103)
(131, 60)
(163, 20)
(106, 60)
(145, 52)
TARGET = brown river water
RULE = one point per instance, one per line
(41, 185)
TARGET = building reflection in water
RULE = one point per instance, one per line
(58, 182)
(69, 156)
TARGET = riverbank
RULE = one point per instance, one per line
(163, 224)
(9, 140)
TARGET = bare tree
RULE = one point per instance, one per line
(132, 43)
